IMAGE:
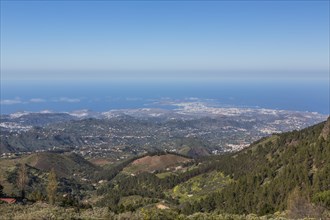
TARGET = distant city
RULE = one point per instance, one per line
(192, 127)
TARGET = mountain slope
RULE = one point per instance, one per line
(155, 163)
(65, 165)
(287, 172)
(270, 171)
(71, 169)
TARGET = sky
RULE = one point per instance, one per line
(164, 39)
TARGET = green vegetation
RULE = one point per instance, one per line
(22, 179)
(200, 186)
(286, 175)
(52, 187)
(267, 173)
(44, 211)
(322, 198)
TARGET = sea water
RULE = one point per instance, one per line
(99, 96)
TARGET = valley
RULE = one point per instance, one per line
(280, 176)
(194, 129)
(164, 110)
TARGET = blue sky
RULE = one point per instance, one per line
(99, 39)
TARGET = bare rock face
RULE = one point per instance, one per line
(326, 130)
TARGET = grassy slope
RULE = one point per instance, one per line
(200, 186)
(153, 163)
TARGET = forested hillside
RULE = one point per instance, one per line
(275, 173)
(284, 175)
(289, 171)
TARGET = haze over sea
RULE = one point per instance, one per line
(101, 55)
(65, 96)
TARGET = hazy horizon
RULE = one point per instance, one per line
(164, 36)
(212, 49)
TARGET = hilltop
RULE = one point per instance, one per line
(156, 163)
(71, 168)
(65, 165)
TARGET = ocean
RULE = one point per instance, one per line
(64, 96)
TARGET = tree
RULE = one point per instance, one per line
(1, 190)
(22, 179)
(52, 186)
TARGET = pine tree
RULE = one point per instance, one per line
(22, 179)
(52, 186)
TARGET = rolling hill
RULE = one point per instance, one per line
(65, 165)
(156, 163)
(70, 169)
(284, 175)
